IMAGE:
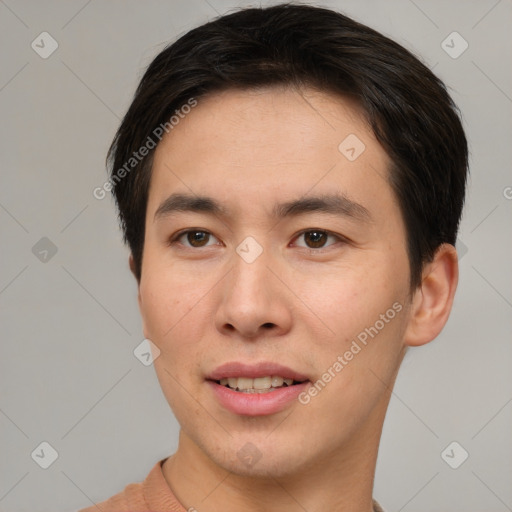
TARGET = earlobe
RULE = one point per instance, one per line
(432, 301)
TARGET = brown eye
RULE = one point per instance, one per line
(197, 238)
(193, 238)
(316, 238)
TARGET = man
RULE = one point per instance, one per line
(290, 184)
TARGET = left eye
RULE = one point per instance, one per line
(316, 238)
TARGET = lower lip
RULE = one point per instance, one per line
(257, 404)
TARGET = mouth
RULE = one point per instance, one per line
(256, 389)
(259, 384)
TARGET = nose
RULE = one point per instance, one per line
(254, 301)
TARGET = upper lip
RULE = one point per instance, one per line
(254, 370)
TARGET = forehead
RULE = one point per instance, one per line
(252, 146)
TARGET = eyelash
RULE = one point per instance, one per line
(175, 238)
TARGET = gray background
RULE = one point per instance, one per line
(70, 321)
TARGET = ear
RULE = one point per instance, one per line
(432, 301)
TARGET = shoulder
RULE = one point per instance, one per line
(148, 495)
(131, 496)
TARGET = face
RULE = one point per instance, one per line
(295, 267)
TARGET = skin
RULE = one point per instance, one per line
(204, 305)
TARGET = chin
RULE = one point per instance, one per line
(258, 456)
(276, 467)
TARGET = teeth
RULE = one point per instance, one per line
(244, 383)
(256, 385)
(277, 381)
(261, 383)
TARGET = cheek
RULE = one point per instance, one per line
(365, 311)
(175, 315)
(347, 302)
(359, 360)
(167, 300)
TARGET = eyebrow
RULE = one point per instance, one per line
(337, 204)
